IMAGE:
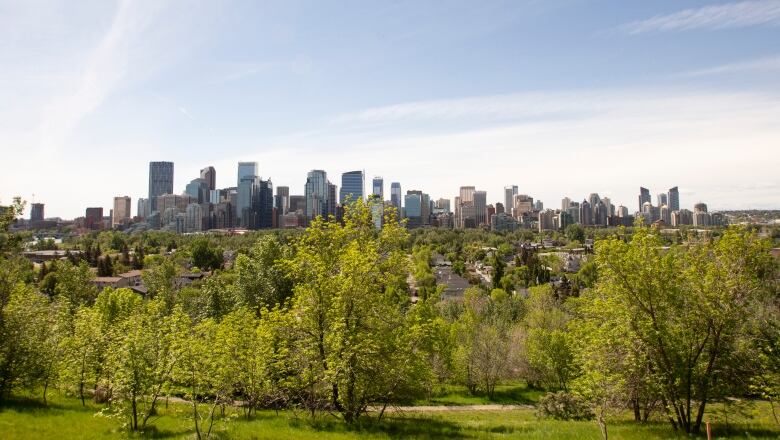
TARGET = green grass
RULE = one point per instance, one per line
(65, 418)
(508, 394)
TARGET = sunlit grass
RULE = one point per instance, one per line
(64, 417)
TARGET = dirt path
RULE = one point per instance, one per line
(402, 409)
(442, 408)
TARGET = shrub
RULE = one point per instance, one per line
(563, 406)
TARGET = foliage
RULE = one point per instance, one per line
(563, 406)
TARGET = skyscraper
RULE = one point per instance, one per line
(198, 189)
(565, 203)
(413, 204)
(395, 199)
(662, 199)
(246, 169)
(209, 174)
(36, 212)
(160, 181)
(674, 199)
(378, 187)
(509, 196)
(121, 211)
(586, 213)
(316, 193)
(248, 187)
(644, 196)
(480, 207)
(352, 186)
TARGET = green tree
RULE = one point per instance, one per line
(204, 255)
(689, 308)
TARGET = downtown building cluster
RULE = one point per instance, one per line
(253, 203)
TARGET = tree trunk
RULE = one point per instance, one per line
(135, 413)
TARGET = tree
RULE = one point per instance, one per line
(688, 308)
(349, 295)
(575, 232)
(261, 281)
(143, 358)
(546, 346)
(204, 255)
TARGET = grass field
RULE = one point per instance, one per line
(64, 417)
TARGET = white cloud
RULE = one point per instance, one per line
(767, 64)
(723, 16)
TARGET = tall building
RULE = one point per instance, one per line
(248, 187)
(246, 169)
(413, 209)
(701, 207)
(198, 189)
(586, 213)
(331, 199)
(209, 174)
(378, 187)
(160, 181)
(121, 211)
(281, 203)
(665, 214)
(674, 199)
(480, 207)
(546, 220)
(352, 186)
(443, 205)
(466, 194)
(396, 199)
(522, 204)
(644, 197)
(565, 203)
(36, 212)
(509, 196)
(144, 207)
(93, 218)
(662, 199)
(298, 204)
(316, 192)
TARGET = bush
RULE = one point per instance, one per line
(563, 406)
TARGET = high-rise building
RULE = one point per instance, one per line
(546, 220)
(352, 186)
(586, 213)
(499, 208)
(600, 214)
(413, 209)
(665, 214)
(622, 211)
(36, 212)
(610, 207)
(522, 204)
(378, 187)
(209, 174)
(565, 203)
(246, 169)
(298, 204)
(144, 207)
(538, 205)
(198, 189)
(93, 218)
(331, 199)
(509, 196)
(644, 197)
(701, 207)
(396, 199)
(466, 194)
(674, 199)
(662, 199)
(121, 211)
(160, 181)
(248, 187)
(443, 205)
(480, 208)
(316, 192)
(281, 203)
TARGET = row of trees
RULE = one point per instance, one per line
(325, 322)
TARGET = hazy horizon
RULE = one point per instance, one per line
(561, 98)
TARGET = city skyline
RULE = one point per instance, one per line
(556, 97)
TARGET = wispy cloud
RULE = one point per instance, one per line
(724, 16)
(102, 73)
(767, 64)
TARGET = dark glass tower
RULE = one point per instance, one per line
(352, 186)
(160, 181)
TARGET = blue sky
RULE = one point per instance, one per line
(562, 98)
